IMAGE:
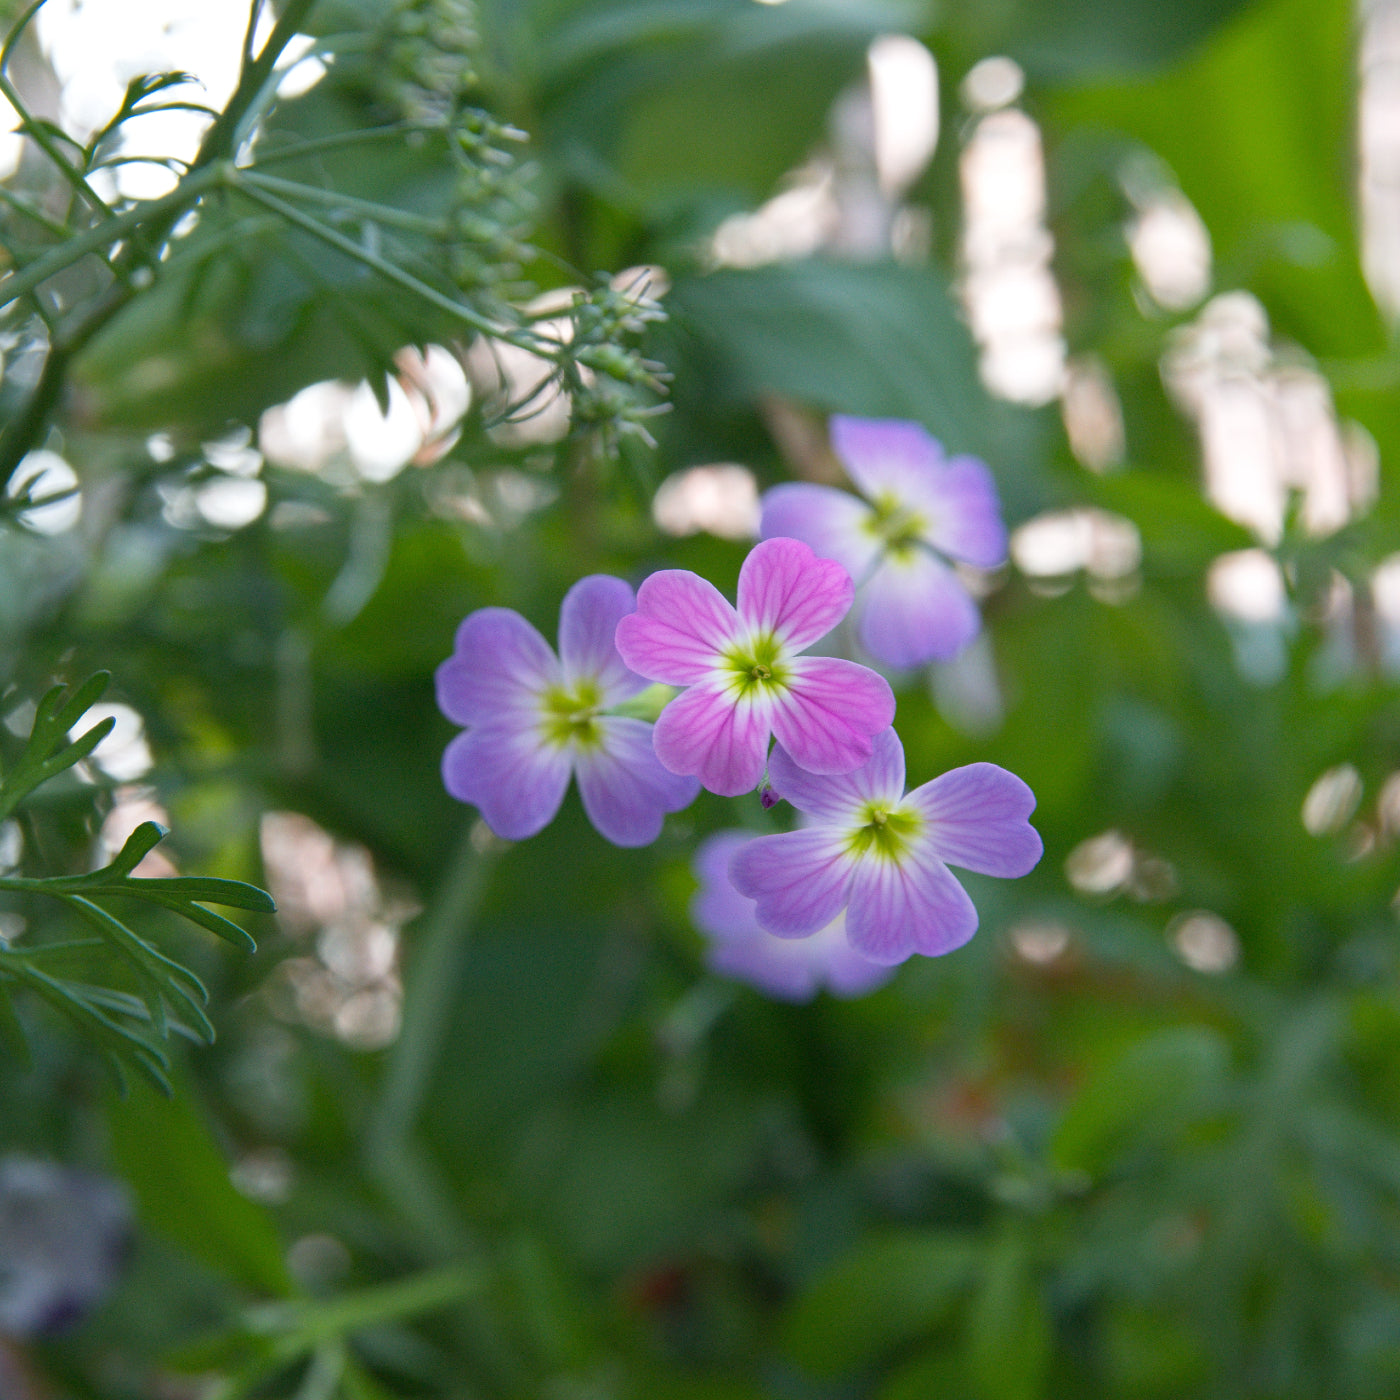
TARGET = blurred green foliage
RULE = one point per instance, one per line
(584, 1167)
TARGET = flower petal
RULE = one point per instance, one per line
(914, 609)
(512, 775)
(721, 738)
(785, 589)
(837, 799)
(833, 522)
(910, 905)
(499, 666)
(718, 909)
(966, 521)
(829, 711)
(588, 619)
(978, 819)
(625, 790)
(681, 625)
(794, 969)
(889, 457)
(798, 879)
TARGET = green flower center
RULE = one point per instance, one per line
(756, 665)
(898, 529)
(884, 831)
(571, 716)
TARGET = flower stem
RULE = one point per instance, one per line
(399, 1163)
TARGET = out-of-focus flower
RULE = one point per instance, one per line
(746, 679)
(882, 855)
(791, 969)
(920, 511)
(535, 718)
(64, 1235)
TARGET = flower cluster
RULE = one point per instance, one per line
(864, 882)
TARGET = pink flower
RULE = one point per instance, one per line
(536, 718)
(882, 855)
(744, 674)
(920, 510)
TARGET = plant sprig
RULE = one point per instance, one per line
(129, 1029)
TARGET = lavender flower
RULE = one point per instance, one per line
(920, 510)
(791, 969)
(882, 855)
(746, 679)
(536, 718)
(64, 1237)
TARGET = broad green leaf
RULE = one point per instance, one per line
(889, 1290)
(181, 1180)
(880, 340)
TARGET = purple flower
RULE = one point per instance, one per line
(882, 855)
(920, 509)
(65, 1235)
(791, 969)
(745, 677)
(536, 718)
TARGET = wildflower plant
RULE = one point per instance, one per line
(865, 883)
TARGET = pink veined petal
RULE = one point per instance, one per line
(838, 799)
(829, 711)
(798, 879)
(785, 589)
(833, 522)
(889, 457)
(588, 619)
(512, 775)
(912, 905)
(965, 521)
(681, 626)
(720, 738)
(978, 819)
(498, 667)
(625, 790)
(914, 609)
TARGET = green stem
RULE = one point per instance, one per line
(221, 141)
(46, 143)
(432, 980)
(385, 269)
(345, 203)
(340, 140)
(303, 1326)
(109, 231)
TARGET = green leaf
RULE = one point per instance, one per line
(1141, 1095)
(181, 1181)
(55, 715)
(223, 928)
(880, 340)
(1075, 39)
(890, 1289)
(1009, 1334)
(11, 1031)
(137, 847)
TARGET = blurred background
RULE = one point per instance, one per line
(480, 1120)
